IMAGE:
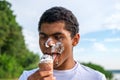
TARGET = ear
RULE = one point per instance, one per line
(76, 39)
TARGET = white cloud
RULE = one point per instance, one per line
(81, 49)
(31, 41)
(116, 50)
(117, 6)
(113, 20)
(99, 47)
(78, 50)
(89, 39)
(111, 39)
(103, 19)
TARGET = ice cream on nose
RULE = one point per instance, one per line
(49, 43)
(55, 47)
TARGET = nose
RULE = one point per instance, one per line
(49, 43)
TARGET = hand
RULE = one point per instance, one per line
(42, 75)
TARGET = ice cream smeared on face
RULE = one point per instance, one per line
(57, 48)
(46, 43)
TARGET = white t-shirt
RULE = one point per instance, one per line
(79, 72)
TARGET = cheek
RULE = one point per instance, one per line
(68, 46)
(67, 49)
(41, 44)
(64, 56)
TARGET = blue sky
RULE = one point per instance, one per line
(99, 27)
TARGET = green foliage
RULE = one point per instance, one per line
(9, 67)
(14, 55)
(99, 68)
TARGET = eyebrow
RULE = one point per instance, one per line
(57, 33)
(41, 33)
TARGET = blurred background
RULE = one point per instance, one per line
(99, 29)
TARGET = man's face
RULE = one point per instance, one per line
(53, 33)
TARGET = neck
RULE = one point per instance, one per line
(68, 64)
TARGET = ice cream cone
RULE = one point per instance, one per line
(46, 63)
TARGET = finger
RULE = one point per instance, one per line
(34, 76)
(49, 78)
(45, 73)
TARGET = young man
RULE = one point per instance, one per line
(59, 25)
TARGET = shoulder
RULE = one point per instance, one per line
(27, 73)
(89, 72)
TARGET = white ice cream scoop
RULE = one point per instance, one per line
(46, 58)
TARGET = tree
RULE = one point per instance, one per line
(14, 55)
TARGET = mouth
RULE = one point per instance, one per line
(55, 51)
(55, 56)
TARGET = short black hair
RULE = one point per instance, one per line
(56, 14)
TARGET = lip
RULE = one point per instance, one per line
(49, 53)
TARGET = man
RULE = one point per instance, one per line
(59, 24)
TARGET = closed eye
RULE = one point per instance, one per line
(43, 36)
(58, 37)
